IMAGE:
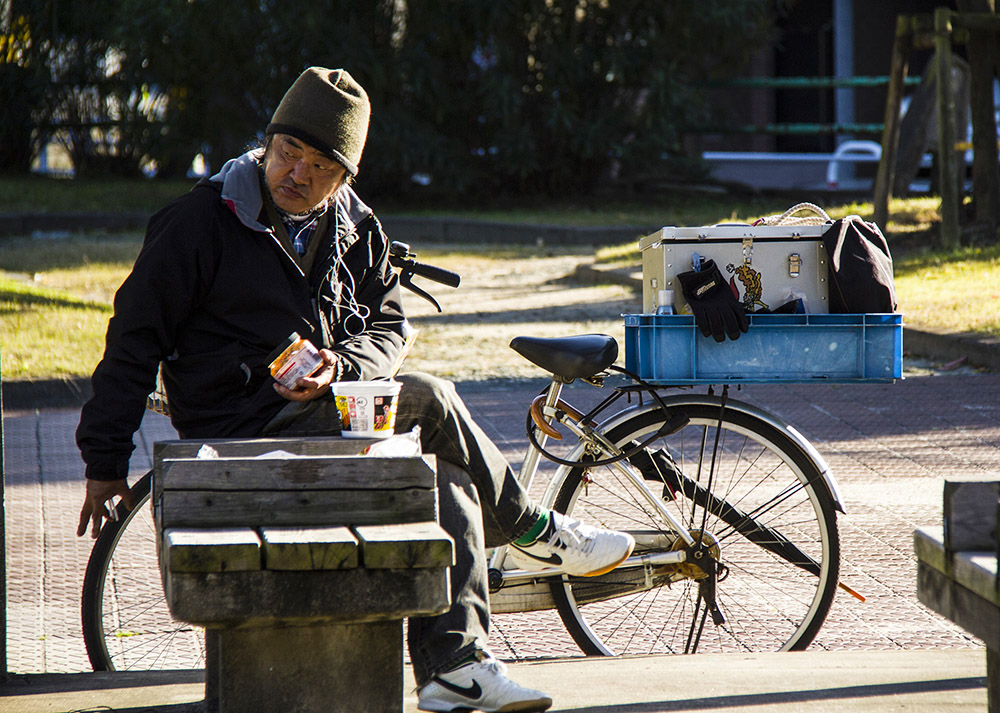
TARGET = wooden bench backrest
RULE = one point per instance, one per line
(300, 482)
(971, 514)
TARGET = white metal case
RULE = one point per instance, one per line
(766, 265)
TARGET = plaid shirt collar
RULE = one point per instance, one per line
(300, 232)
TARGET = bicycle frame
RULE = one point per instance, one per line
(589, 438)
(553, 410)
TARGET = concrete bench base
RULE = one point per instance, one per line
(963, 587)
(306, 669)
(971, 612)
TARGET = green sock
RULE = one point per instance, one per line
(536, 530)
(471, 658)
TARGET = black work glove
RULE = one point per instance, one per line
(716, 309)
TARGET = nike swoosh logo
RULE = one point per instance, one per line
(553, 559)
(473, 692)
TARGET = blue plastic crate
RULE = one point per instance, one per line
(850, 348)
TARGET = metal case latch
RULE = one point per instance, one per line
(794, 264)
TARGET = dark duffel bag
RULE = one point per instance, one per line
(860, 267)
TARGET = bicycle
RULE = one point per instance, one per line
(733, 511)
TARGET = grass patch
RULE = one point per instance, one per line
(55, 301)
(49, 333)
(41, 194)
(955, 292)
(56, 294)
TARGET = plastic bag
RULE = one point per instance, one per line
(401, 445)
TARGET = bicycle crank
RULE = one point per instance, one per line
(702, 558)
(704, 567)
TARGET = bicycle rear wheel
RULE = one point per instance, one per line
(126, 623)
(769, 513)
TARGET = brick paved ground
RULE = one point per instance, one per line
(890, 447)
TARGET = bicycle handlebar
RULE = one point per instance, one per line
(401, 258)
(438, 274)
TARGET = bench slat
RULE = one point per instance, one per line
(417, 544)
(214, 550)
(250, 447)
(298, 598)
(297, 473)
(262, 508)
(975, 571)
(313, 548)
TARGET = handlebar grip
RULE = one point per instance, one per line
(438, 274)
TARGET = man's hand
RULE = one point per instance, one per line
(96, 507)
(312, 387)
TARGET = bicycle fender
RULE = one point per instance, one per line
(770, 419)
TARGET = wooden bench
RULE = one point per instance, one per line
(301, 559)
(957, 573)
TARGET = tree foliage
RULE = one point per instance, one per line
(470, 97)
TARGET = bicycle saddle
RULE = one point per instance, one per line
(576, 357)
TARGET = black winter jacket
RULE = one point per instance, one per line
(212, 293)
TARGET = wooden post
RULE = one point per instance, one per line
(979, 30)
(947, 162)
(993, 680)
(983, 57)
(957, 574)
(890, 134)
(3, 556)
(993, 652)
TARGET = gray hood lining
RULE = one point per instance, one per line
(241, 192)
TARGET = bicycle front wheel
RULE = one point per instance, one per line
(734, 480)
(126, 623)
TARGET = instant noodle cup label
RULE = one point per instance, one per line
(367, 408)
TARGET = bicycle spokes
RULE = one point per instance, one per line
(743, 523)
(760, 567)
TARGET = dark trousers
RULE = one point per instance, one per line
(481, 505)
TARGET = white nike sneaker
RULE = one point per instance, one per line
(480, 685)
(578, 549)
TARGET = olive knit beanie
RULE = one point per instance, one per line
(328, 110)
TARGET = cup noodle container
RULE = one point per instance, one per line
(367, 408)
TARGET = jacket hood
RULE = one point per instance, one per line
(241, 192)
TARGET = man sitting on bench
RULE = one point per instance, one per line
(278, 242)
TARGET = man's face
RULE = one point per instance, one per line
(298, 176)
